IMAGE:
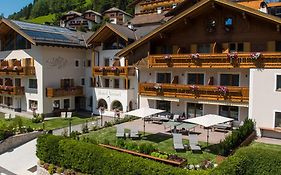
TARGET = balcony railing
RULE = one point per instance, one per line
(223, 60)
(62, 92)
(17, 70)
(11, 90)
(213, 93)
(113, 71)
(159, 3)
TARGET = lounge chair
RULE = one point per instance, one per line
(193, 142)
(7, 116)
(177, 140)
(68, 114)
(120, 131)
(63, 114)
(13, 116)
(134, 133)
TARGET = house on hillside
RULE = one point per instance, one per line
(117, 16)
(86, 20)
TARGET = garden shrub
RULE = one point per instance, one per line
(93, 159)
(233, 141)
(146, 148)
(251, 161)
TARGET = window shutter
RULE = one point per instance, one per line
(247, 47)
(193, 48)
(271, 46)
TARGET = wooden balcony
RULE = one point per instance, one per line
(159, 3)
(62, 92)
(11, 90)
(17, 70)
(212, 93)
(222, 60)
(113, 71)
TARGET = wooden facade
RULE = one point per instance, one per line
(210, 93)
(23, 67)
(12, 90)
(113, 71)
(151, 6)
(62, 92)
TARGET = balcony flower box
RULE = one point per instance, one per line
(115, 70)
(158, 88)
(103, 70)
(5, 68)
(15, 68)
(256, 55)
(167, 57)
(223, 90)
(195, 56)
(193, 88)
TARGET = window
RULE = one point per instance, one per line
(33, 105)
(32, 83)
(278, 46)
(229, 80)
(76, 63)
(236, 47)
(89, 63)
(194, 110)
(82, 81)
(197, 79)
(18, 82)
(106, 82)
(229, 111)
(278, 82)
(56, 105)
(203, 48)
(164, 105)
(278, 119)
(228, 24)
(163, 77)
(66, 103)
(106, 61)
(67, 83)
(116, 83)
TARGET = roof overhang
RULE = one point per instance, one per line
(102, 34)
(17, 29)
(193, 9)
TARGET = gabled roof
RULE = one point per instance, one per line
(134, 3)
(91, 11)
(195, 8)
(39, 34)
(122, 31)
(148, 19)
(114, 9)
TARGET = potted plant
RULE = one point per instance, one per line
(256, 55)
(103, 70)
(195, 56)
(115, 70)
(158, 87)
(223, 90)
(233, 57)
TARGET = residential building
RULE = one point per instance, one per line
(42, 68)
(217, 57)
(117, 16)
(75, 20)
(114, 80)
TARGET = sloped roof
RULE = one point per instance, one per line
(255, 4)
(148, 19)
(46, 35)
(134, 3)
(114, 9)
(123, 31)
(194, 8)
(91, 11)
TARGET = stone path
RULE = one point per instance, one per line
(269, 140)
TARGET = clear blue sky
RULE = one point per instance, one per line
(8, 7)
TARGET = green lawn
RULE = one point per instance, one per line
(43, 19)
(163, 142)
(49, 124)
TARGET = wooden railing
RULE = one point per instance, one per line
(159, 3)
(17, 70)
(223, 60)
(113, 71)
(214, 93)
(11, 90)
(61, 92)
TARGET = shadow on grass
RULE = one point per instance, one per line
(157, 138)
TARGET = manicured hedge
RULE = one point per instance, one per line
(233, 141)
(93, 159)
(251, 161)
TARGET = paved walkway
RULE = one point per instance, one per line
(269, 140)
(19, 160)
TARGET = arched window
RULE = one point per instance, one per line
(102, 103)
(116, 105)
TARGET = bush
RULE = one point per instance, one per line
(51, 169)
(234, 140)
(146, 148)
(48, 148)
(251, 161)
(92, 159)
(37, 119)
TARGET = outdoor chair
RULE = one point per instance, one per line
(63, 114)
(13, 116)
(7, 116)
(176, 117)
(68, 114)
(134, 133)
(193, 142)
(177, 140)
(120, 131)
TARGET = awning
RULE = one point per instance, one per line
(209, 120)
(144, 112)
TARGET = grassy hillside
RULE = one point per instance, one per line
(43, 19)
